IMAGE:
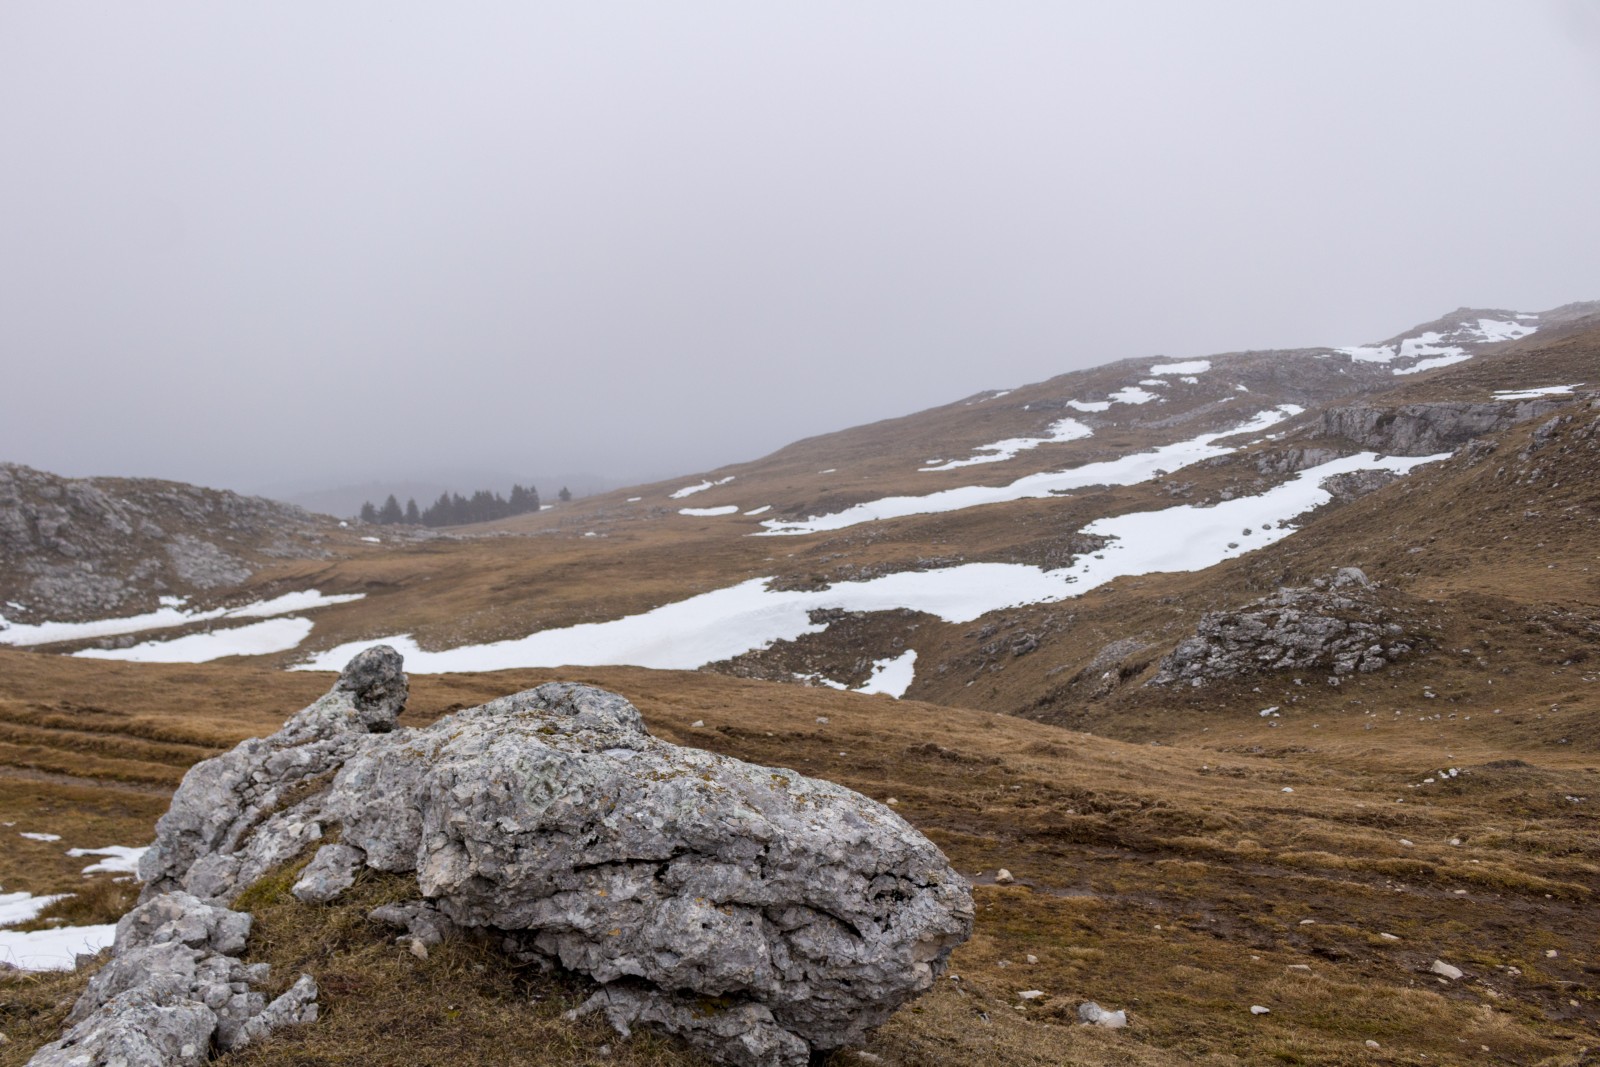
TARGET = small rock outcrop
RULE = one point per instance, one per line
(1427, 429)
(1342, 625)
(173, 990)
(758, 913)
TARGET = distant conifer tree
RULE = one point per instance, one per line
(565, 494)
(369, 514)
(390, 513)
(413, 516)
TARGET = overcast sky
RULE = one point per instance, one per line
(306, 244)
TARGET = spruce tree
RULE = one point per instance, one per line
(413, 516)
(390, 513)
(369, 514)
(565, 494)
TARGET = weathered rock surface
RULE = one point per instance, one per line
(1344, 625)
(173, 990)
(756, 912)
(1427, 429)
(73, 548)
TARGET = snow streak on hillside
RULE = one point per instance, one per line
(1062, 430)
(729, 622)
(170, 614)
(1432, 349)
(1125, 470)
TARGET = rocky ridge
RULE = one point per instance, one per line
(73, 548)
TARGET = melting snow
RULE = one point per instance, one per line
(45, 950)
(691, 490)
(728, 622)
(726, 509)
(257, 639)
(1501, 330)
(24, 907)
(119, 859)
(893, 675)
(170, 614)
(762, 510)
(1061, 430)
(1193, 366)
(1126, 470)
(1133, 395)
(1369, 353)
(1456, 356)
(1529, 394)
(53, 950)
(1089, 405)
(41, 837)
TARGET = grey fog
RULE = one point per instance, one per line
(284, 248)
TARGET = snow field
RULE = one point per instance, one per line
(727, 622)
(1125, 470)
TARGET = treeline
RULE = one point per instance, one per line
(453, 509)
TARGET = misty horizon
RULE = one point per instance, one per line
(259, 249)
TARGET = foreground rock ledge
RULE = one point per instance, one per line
(758, 913)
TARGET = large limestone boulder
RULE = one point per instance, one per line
(757, 912)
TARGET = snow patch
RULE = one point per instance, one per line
(1089, 405)
(24, 907)
(118, 859)
(762, 510)
(892, 675)
(691, 490)
(1062, 430)
(40, 837)
(1192, 366)
(167, 616)
(726, 509)
(1126, 470)
(257, 639)
(1530, 394)
(1133, 395)
(53, 950)
(1457, 356)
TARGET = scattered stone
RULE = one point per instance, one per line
(1372, 1044)
(1440, 967)
(1347, 625)
(803, 928)
(1091, 1013)
(1405, 843)
(697, 724)
(1389, 937)
(418, 949)
(1303, 967)
(1031, 994)
(173, 988)
(1032, 958)
(1257, 1009)
(330, 873)
(1551, 953)
(1003, 877)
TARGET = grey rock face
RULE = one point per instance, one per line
(1343, 626)
(758, 913)
(174, 988)
(1426, 429)
(73, 548)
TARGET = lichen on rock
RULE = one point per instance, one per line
(760, 914)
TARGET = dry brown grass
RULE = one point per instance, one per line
(1109, 841)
